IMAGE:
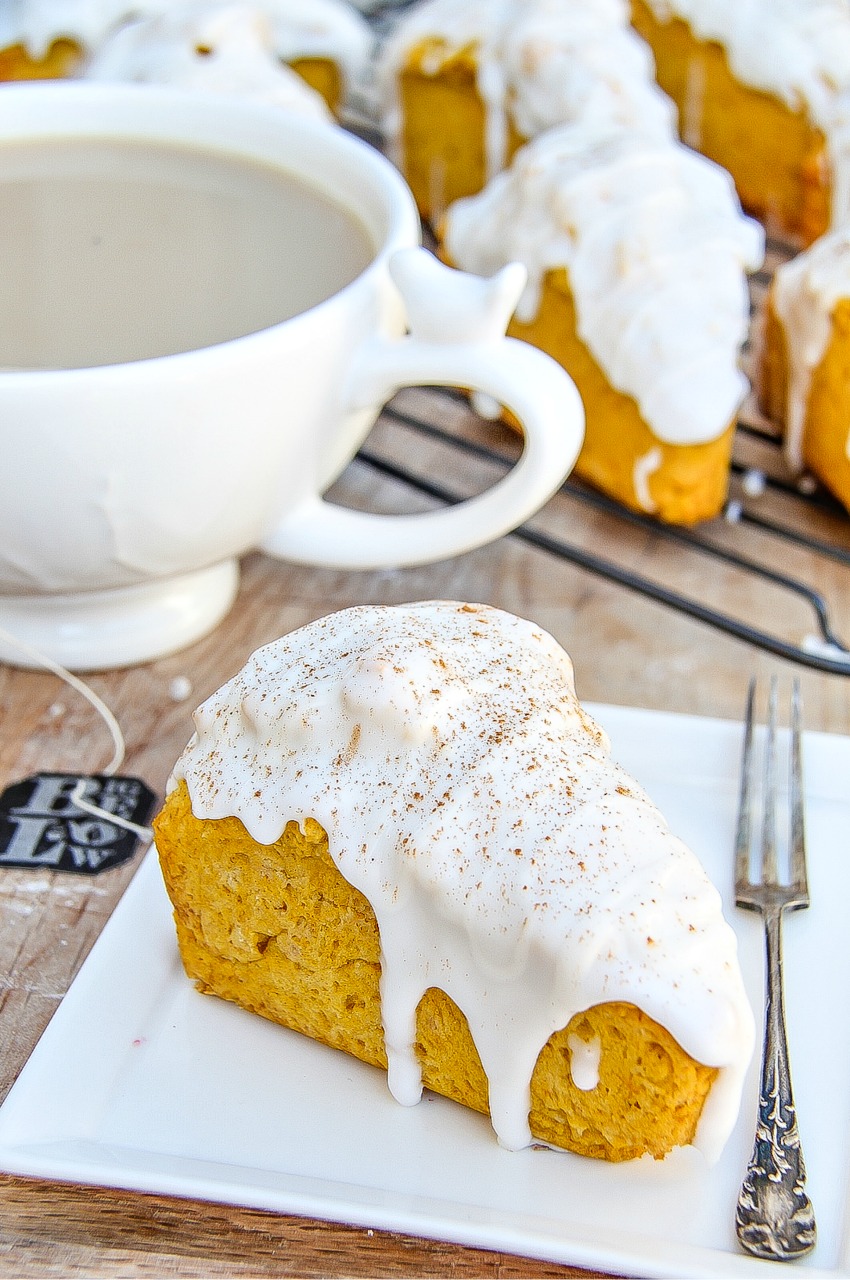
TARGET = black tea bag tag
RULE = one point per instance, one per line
(42, 826)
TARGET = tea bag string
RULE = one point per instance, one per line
(119, 747)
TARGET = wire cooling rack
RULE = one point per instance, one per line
(779, 537)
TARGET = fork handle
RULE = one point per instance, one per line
(774, 1218)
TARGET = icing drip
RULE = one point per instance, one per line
(805, 293)
(538, 61)
(644, 468)
(225, 48)
(508, 860)
(585, 1056)
(693, 105)
(655, 246)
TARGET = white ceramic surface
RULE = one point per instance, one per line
(141, 1082)
(231, 447)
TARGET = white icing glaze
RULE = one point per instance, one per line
(321, 28)
(542, 61)
(645, 467)
(585, 1056)
(805, 292)
(799, 52)
(508, 860)
(36, 24)
(656, 248)
(225, 47)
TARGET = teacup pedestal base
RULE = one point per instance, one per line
(98, 630)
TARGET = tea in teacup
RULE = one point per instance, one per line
(114, 250)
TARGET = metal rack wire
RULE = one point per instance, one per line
(767, 516)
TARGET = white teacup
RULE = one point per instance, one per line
(176, 389)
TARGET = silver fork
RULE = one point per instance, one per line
(774, 1217)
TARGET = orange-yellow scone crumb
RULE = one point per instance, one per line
(278, 930)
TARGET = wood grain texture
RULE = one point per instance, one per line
(53, 1229)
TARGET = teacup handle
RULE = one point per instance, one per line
(457, 338)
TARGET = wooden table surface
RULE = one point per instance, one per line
(627, 648)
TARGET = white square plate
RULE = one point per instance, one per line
(140, 1082)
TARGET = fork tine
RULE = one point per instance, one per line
(769, 865)
(799, 878)
(742, 838)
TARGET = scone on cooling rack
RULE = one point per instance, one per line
(637, 253)
(762, 88)
(51, 39)
(226, 48)
(208, 43)
(396, 831)
(804, 378)
(464, 83)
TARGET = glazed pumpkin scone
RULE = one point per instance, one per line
(762, 89)
(464, 83)
(804, 378)
(221, 47)
(637, 253)
(51, 39)
(397, 831)
(252, 47)
(235, 44)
